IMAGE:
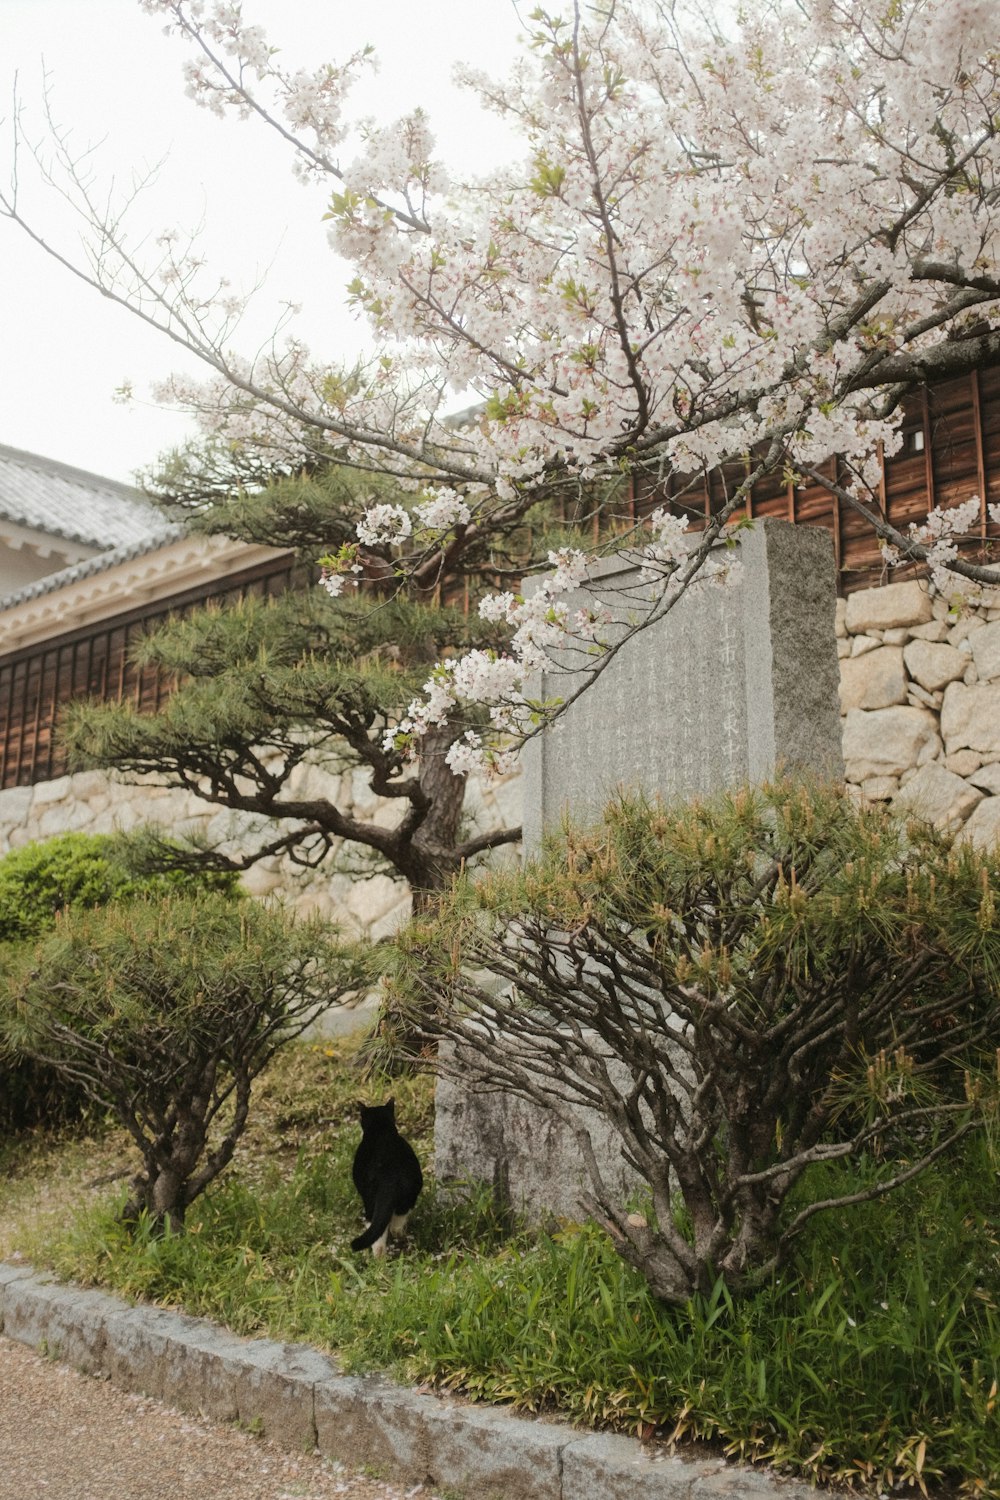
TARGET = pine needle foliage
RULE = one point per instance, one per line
(164, 1011)
(37, 883)
(236, 491)
(242, 491)
(266, 689)
(744, 988)
(46, 877)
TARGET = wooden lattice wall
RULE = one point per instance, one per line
(951, 451)
(95, 662)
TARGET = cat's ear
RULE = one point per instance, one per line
(390, 1105)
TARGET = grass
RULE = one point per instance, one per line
(873, 1360)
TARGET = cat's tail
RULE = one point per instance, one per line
(381, 1218)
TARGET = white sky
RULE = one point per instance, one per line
(116, 80)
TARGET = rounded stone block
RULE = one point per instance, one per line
(71, 817)
(932, 665)
(938, 797)
(986, 651)
(879, 788)
(259, 882)
(875, 680)
(15, 806)
(987, 778)
(369, 900)
(52, 791)
(983, 827)
(393, 922)
(840, 619)
(970, 717)
(888, 607)
(916, 695)
(961, 634)
(964, 763)
(934, 630)
(86, 785)
(888, 741)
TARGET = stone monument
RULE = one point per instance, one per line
(736, 682)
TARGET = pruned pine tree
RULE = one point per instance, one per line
(164, 1011)
(263, 690)
(268, 688)
(744, 989)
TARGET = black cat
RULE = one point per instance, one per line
(387, 1175)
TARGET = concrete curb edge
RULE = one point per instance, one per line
(297, 1397)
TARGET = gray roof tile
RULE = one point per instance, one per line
(168, 532)
(44, 495)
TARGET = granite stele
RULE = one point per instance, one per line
(732, 685)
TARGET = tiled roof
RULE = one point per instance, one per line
(44, 495)
(168, 532)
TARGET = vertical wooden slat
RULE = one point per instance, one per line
(66, 680)
(122, 660)
(977, 428)
(925, 415)
(104, 659)
(53, 704)
(90, 664)
(158, 681)
(883, 494)
(11, 672)
(37, 717)
(15, 720)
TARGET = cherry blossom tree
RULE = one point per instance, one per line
(727, 239)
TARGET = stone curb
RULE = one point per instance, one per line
(296, 1396)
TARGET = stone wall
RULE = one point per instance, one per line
(345, 891)
(920, 695)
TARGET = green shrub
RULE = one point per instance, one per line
(164, 1010)
(78, 869)
(36, 883)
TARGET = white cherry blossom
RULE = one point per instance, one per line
(384, 523)
(734, 240)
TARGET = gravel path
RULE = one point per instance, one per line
(66, 1436)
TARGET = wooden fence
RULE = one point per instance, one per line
(951, 451)
(95, 662)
